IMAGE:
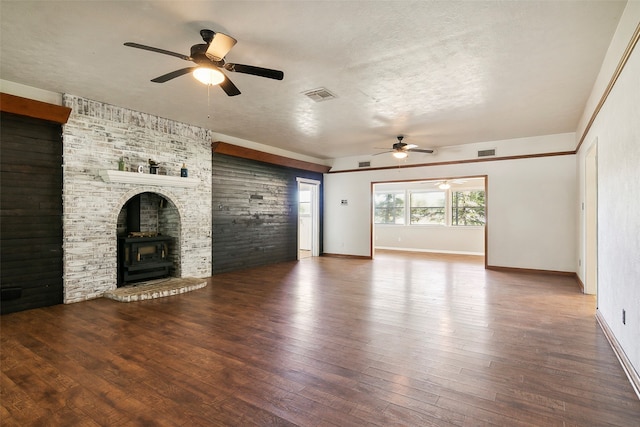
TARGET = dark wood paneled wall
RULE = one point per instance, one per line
(30, 213)
(254, 212)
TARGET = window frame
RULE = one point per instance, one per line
(411, 192)
(403, 208)
(407, 193)
(453, 208)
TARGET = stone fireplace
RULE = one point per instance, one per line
(96, 139)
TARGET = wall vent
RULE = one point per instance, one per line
(485, 153)
(320, 94)
(364, 164)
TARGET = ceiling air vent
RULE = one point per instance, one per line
(485, 153)
(364, 164)
(320, 94)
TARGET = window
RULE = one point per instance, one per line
(428, 207)
(467, 208)
(304, 203)
(389, 208)
(420, 204)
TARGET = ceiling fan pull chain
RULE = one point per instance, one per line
(208, 101)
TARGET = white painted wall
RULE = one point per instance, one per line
(531, 208)
(29, 92)
(617, 132)
(561, 142)
(460, 240)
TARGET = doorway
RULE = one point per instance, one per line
(308, 218)
(591, 220)
(444, 215)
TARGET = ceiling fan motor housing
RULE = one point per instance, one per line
(399, 145)
(199, 56)
(207, 35)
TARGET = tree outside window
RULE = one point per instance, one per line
(389, 208)
(467, 208)
(428, 207)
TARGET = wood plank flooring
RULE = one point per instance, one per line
(405, 339)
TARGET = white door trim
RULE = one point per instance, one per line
(315, 214)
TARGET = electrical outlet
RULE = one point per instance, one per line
(624, 317)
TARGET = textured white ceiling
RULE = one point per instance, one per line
(442, 73)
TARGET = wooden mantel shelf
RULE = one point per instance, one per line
(147, 179)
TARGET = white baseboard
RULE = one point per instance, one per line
(628, 368)
(433, 251)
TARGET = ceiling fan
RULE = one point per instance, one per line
(400, 149)
(445, 184)
(209, 58)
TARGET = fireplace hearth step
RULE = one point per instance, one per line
(156, 289)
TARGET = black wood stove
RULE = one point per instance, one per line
(142, 255)
(143, 258)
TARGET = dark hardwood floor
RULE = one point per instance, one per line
(406, 339)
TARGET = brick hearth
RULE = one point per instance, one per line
(155, 289)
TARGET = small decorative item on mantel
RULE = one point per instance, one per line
(153, 167)
(121, 164)
(184, 172)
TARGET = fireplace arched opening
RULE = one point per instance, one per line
(148, 234)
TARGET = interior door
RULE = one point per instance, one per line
(308, 218)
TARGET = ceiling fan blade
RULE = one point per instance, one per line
(384, 152)
(409, 146)
(256, 71)
(220, 45)
(157, 50)
(229, 88)
(420, 150)
(173, 75)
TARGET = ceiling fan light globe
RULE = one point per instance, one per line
(444, 186)
(208, 76)
(399, 154)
